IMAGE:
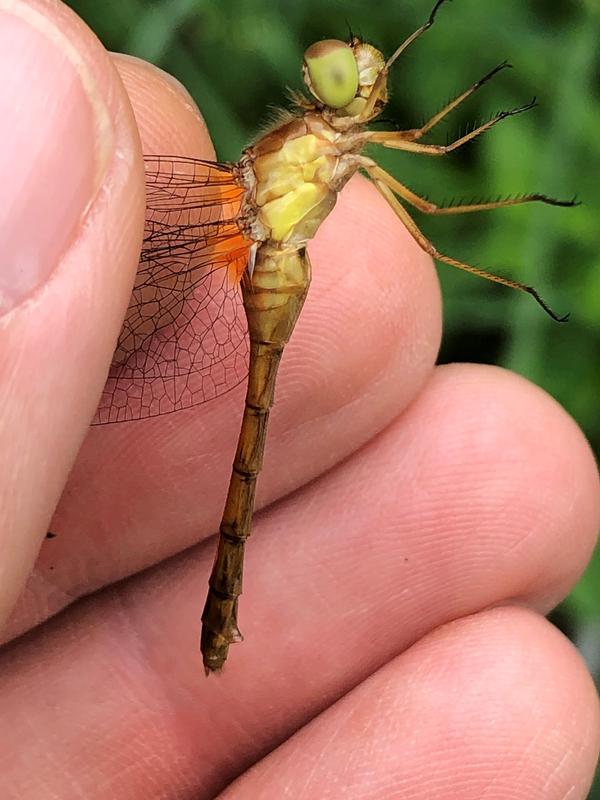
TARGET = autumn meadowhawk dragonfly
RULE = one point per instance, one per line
(224, 270)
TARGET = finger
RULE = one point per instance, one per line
(505, 435)
(366, 341)
(71, 213)
(499, 704)
(167, 117)
(427, 524)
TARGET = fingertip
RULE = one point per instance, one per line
(371, 280)
(541, 474)
(365, 246)
(500, 702)
(167, 117)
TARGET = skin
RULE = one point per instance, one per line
(398, 571)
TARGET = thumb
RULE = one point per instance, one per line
(71, 219)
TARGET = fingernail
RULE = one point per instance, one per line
(56, 143)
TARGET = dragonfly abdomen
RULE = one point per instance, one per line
(273, 300)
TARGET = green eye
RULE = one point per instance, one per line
(332, 73)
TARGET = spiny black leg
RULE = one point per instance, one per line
(436, 8)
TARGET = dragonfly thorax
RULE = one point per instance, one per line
(298, 169)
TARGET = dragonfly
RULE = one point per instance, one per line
(224, 270)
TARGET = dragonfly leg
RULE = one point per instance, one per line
(417, 133)
(397, 141)
(427, 207)
(430, 248)
(379, 87)
(378, 92)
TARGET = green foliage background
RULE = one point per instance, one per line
(237, 56)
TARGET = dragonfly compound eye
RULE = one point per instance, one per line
(331, 72)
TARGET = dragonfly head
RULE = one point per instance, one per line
(342, 75)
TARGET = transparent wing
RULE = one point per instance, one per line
(184, 339)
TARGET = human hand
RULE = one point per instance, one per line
(422, 519)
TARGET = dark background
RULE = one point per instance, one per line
(237, 56)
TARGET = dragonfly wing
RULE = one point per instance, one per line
(184, 339)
